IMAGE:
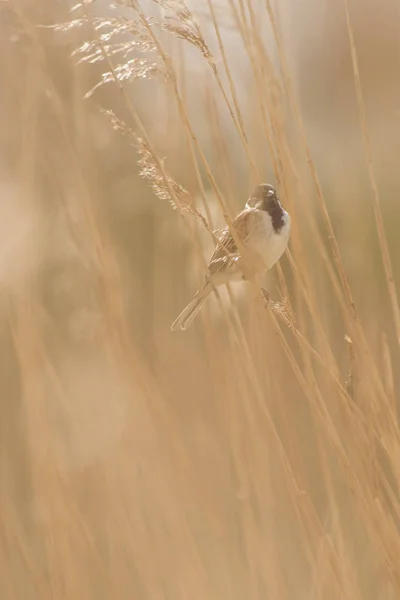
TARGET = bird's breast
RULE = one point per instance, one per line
(267, 242)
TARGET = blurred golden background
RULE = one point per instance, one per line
(256, 455)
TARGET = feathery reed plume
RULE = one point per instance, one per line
(163, 185)
(182, 23)
(281, 309)
(107, 44)
(179, 198)
(135, 68)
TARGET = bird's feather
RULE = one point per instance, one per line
(226, 251)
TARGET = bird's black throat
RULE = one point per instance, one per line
(276, 213)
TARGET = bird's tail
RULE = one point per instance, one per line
(189, 313)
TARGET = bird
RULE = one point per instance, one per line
(263, 228)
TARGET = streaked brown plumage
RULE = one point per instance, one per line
(263, 227)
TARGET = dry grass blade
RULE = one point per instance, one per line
(387, 263)
(351, 381)
(388, 373)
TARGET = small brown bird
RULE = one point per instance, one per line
(263, 227)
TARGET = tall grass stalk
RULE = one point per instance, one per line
(254, 456)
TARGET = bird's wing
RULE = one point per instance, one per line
(226, 251)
